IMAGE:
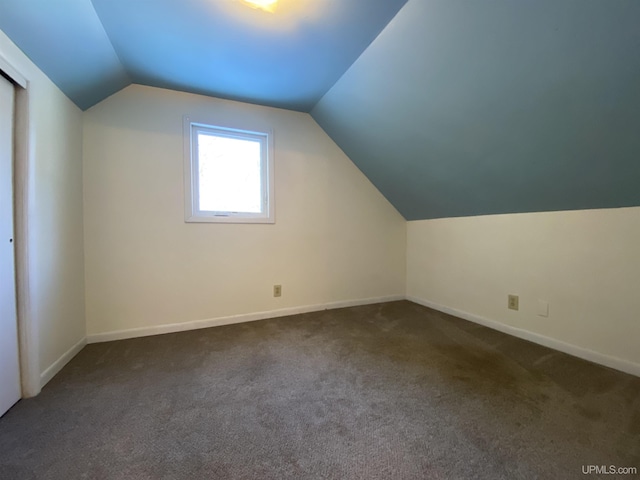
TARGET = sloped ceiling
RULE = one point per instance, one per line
(223, 48)
(457, 108)
(67, 41)
(465, 107)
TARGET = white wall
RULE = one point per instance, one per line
(586, 264)
(55, 240)
(335, 237)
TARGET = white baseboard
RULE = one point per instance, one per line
(580, 352)
(51, 372)
(246, 317)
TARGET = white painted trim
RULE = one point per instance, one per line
(58, 365)
(27, 328)
(580, 352)
(191, 127)
(14, 74)
(246, 317)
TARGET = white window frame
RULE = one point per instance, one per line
(191, 187)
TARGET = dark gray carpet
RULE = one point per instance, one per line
(389, 391)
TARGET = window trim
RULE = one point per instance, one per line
(192, 214)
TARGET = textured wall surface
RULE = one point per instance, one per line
(586, 264)
(55, 243)
(336, 238)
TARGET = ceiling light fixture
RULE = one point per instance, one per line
(266, 5)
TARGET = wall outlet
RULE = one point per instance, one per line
(513, 302)
(277, 290)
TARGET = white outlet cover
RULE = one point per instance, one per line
(543, 308)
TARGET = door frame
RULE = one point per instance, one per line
(22, 162)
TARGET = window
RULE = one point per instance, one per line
(228, 174)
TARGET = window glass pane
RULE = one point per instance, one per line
(229, 174)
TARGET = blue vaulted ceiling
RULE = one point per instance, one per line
(471, 107)
(65, 38)
(223, 48)
(457, 108)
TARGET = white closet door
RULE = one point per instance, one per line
(9, 361)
